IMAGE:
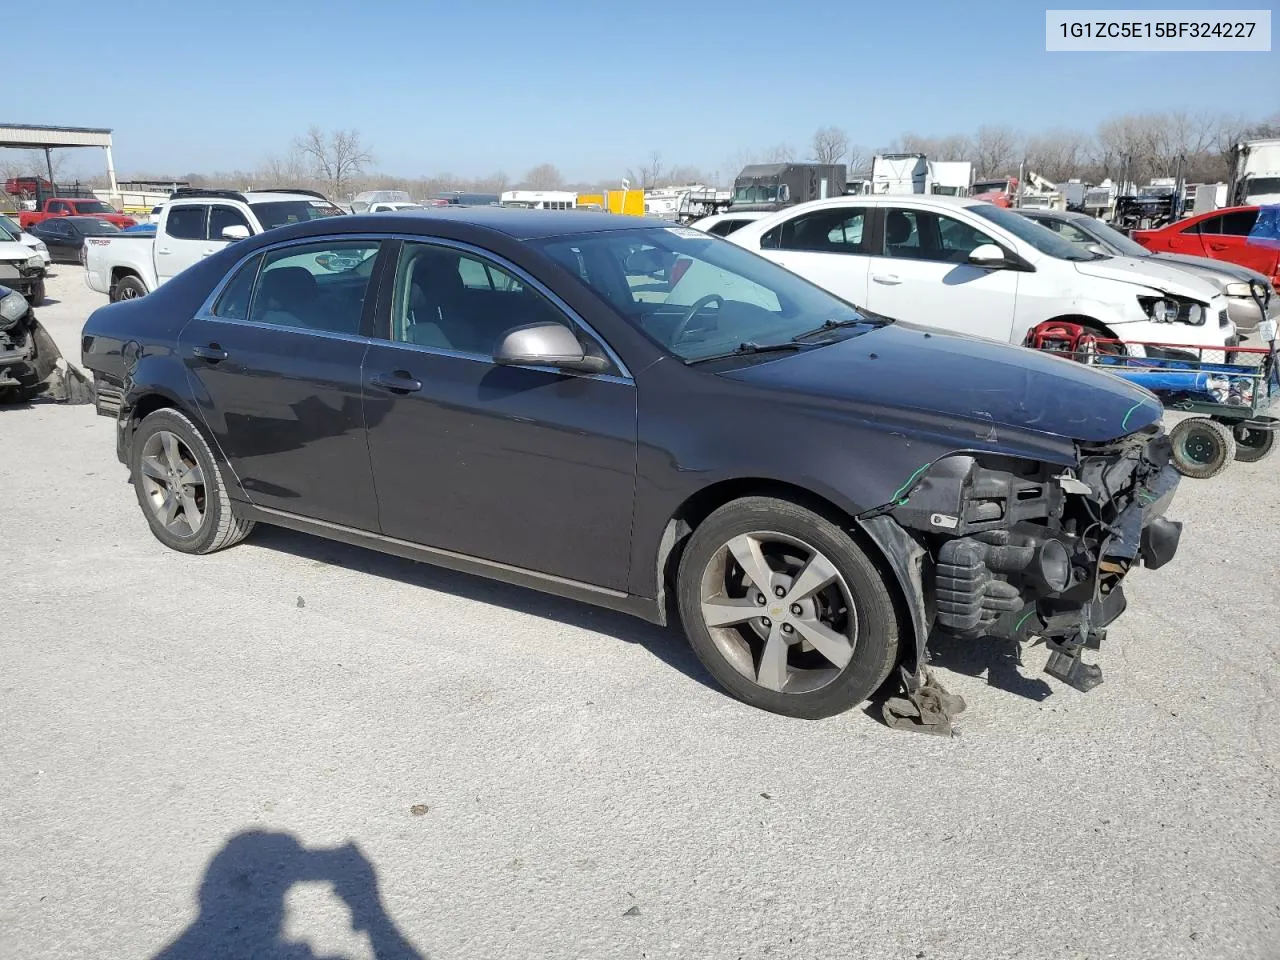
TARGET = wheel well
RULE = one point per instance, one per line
(706, 501)
(119, 273)
(148, 405)
(1095, 325)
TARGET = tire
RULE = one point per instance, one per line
(36, 298)
(735, 651)
(217, 527)
(1253, 445)
(128, 288)
(1202, 448)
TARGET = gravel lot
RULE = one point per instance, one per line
(522, 772)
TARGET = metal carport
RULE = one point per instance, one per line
(28, 136)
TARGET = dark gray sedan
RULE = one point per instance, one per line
(647, 418)
(1232, 279)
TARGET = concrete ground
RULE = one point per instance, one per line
(524, 776)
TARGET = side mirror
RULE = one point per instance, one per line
(1096, 249)
(987, 255)
(546, 345)
(237, 231)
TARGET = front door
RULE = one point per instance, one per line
(275, 367)
(828, 246)
(921, 274)
(1226, 237)
(529, 467)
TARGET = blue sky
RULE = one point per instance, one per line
(593, 87)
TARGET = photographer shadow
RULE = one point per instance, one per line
(242, 901)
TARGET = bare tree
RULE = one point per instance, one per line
(995, 150)
(286, 169)
(859, 157)
(780, 153)
(830, 145)
(544, 176)
(1058, 154)
(648, 174)
(335, 157)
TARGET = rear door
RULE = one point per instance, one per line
(62, 241)
(828, 246)
(1226, 237)
(181, 239)
(920, 273)
(275, 366)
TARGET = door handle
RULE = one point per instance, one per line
(398, 382)
(889, 279)
(162, 253)
(212, 353)
(1217, 246)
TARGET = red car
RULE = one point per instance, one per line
(74, 207)
(1222, 235)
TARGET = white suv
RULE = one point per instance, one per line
(972, 267)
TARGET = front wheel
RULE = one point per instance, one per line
(785, 610)
(1202, 448)
(180, 488)
(37, 293)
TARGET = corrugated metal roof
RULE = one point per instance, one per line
(35, 136)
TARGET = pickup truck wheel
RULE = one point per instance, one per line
(785, 610)
(128, 288)
(180, 488)
(37, 293)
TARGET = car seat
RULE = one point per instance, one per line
(286, 297)
(897, 231)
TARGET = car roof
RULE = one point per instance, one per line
(515, 222)
(252, 196)
(83, 218)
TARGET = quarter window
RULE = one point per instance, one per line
(457, 301)
(233, 303)
(315, 286)
(186, 222)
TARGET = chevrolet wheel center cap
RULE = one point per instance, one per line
(775, 611)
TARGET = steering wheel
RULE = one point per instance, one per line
(693, 311)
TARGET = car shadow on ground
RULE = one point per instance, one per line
(666, 643)
(999, 659)
(242, 899)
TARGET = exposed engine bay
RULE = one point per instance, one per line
(1020, 549)
(29, 359)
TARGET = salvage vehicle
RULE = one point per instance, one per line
(28, 355)
(1242, 287)
(970, 266)
(66, 237)
(10, 230)
(1255, 172)
(194, 224)
(772, 186)
(1220, 235)
(21, 268)
(511, 393)
(73, 207)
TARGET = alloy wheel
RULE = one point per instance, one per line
(173, 483)
(780, 611)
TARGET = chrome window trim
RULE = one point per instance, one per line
(205, 310)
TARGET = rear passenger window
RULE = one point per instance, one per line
(315, 286)
(186, 223)
(835, 230)
(455, 301)
(233, 304)
(1238, 224)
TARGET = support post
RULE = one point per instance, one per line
(48, 165)
(111, 176)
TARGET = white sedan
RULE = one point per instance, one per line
(723, 224)
(10, 231)
(972, 267)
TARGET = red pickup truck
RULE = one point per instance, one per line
(74, 207)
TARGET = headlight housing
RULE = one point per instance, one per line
(1237, 290)
(1168, 309)
(12, 309)
(35, 261)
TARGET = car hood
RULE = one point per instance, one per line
(1164, 277)
(12, 250)
(963, 385)
(1229, 272)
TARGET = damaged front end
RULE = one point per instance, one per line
(30, 363)
(1016, 549)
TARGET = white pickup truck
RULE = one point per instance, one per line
(193, 224)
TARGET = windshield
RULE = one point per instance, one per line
(92, 227)
(1028, 231)
(1263, 185)
(92, 206)
(759, 193)
(990, 186)
(1113, 238)
(694, 294)
(277, 213)
(9, 228)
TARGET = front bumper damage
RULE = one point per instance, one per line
(1020, 550)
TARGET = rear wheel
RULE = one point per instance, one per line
(180, 488)
(1202, 448)
(1253, 444)
(785, 610)
(37, 293)
(128, 288)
